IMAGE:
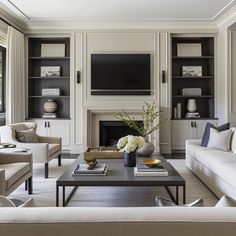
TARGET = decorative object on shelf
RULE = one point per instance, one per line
(192, 106)
(50, 115)
(189, 50)
(50, 106)
(192, 92)
(192, 71)
(129, 144)
(50, 71)
(51, 92)
(192, 115)
(179, 111)
(145, 128)
(53, 50)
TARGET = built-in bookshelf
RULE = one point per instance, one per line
(36, 82)
(205, 101)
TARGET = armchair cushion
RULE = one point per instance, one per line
(53, 148)
(14, 171)
(26, 136)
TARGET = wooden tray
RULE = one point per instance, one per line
(103, 153)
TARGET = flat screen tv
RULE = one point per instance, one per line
(120, 74)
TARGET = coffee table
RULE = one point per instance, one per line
(119, 175)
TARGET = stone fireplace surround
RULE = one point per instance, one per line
(95, 116)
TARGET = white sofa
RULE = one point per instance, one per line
(150, 221)
(216, 168)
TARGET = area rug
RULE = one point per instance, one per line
(44, 190)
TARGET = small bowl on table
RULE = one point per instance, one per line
(151, 163)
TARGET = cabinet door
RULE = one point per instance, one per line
(61, 128)
(181, 131)
(42, 129)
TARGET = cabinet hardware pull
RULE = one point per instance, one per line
(163, 76)
(45, 124)
(48, 124)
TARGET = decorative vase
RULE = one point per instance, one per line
(130, 159)
(50, 106)
(191, 107)
(147, 150)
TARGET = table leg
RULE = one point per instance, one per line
(184, 194)
(57, 196)
(63, 196)
(177, 195)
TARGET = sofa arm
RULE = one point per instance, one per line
(193, 142)
(7, 158)
(46, 139)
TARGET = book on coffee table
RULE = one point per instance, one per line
(149, 173)
(82, 169)
(144, 168)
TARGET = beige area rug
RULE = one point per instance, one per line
(44, 190)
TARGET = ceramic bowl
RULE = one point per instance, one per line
(151, 162)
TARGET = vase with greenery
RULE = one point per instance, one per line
(129, 144)
(149, 115)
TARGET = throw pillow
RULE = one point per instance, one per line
(26, 136)
(206, 135)
(233, 140)
(220, 140)
(226, 201)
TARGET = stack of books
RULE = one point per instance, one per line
(192, 115)
(82, 169)
(143, 170)
(49, 115)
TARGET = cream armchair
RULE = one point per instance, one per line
(44, 151)
(15, 169)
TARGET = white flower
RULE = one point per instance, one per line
(130, 147)
(140, 141)
(122, 142)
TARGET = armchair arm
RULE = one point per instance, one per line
(2, 181)
(39, 151)
(7, 158)
(45, 139)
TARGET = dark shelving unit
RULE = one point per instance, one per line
(205, 102)
(36, 83)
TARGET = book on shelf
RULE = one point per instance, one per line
(151, 173)
(82, 169)
(144, 168)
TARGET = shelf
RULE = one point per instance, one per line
(49, 58)
(49, 97)
(202, 96)
(193, 77)
(192, 58)
(199, 118)
(46, 78)
(40, 118)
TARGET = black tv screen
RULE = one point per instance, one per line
(120, 74)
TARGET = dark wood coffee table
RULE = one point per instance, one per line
(119, 175)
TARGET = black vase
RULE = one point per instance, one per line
(130, 159)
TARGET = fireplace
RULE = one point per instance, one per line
(111, 131)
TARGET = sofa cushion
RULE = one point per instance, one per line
(194, 149)
(220, 140)
(226, 201)
(206, 135)
(213, 159)
(53, 148)
(14, 171)
(26, 136)
(233, 140)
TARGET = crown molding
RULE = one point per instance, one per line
(12, 18)
(68, 26)
(228, 18)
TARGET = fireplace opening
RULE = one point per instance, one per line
(111, 131)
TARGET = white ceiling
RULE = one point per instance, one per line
(118, 10)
